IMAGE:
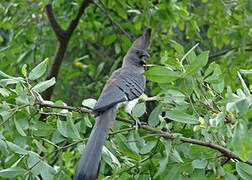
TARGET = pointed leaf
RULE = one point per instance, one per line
(244, 170)
(162, 74)
(182, 117)
(153, 119)
(12, 172)
(39, 70)
(197, 64)
(42, 86)
(17, 149)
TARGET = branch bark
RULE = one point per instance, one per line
(63, 36)
(227, 50)
(226, 152)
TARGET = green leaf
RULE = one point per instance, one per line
(197, 64)
(216, 79)
(242, 142)
(40, 167)
(4, 92)
(153, 119)
(42, 128)
(47, 171)
(61, 127)
(3, 75)
(39, 145)
(246, 90)
(19, 127)
(173, 172)
(109, 39)
(148, 147)
(24, 70)
(230, 176)
(164, 160)
(13, 80)
(12, 172)
(110, 158)
(179, 48)
(87, 121)
(133, 145)
(241, 105)
(139, 110)
(57, 137)
(244, 170)
(39, 70)
(176, 157)
(199, 164)
(180, 116)
(35, 163)
(123, 147)
(42, 86)
(245, 71)
(72, 131)
(17, 149)
(89, 103)
(3, 148)
(162, 74)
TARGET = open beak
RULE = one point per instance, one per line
(146, 54)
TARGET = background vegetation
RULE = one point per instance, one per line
(197, 101)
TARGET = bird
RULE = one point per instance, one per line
(124, 87)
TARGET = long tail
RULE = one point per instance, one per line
(88, 167)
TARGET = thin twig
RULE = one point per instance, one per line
(227, 50)
(104, 9)
(76, 109)
(138, 139)
(122, 130)
(188, 52)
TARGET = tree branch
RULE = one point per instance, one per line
(226, 152)
(63, 37)
(227, 50)
(59, 32)
(73, 24)
(113, 22)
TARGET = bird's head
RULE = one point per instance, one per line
(137, 52)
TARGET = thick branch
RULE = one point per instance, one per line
(63, 37)
(226, 152)
(60, 33)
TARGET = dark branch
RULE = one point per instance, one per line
(226, 152)
(63, 37)
(60, 33)
(70, 108)
(227, 50)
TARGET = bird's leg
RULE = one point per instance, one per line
(136, 123)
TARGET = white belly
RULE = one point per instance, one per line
(128, 105)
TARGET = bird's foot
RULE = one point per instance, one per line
(136, 123)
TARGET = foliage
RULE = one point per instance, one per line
(198, 91)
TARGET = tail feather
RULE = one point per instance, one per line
(88, 167)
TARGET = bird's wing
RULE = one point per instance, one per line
(123, 86)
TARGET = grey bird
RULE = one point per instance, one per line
(123, 87)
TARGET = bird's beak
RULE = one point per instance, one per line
(146, 54)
